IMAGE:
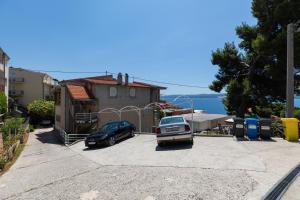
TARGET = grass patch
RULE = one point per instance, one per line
(17, 153)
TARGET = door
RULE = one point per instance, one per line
(123, 129)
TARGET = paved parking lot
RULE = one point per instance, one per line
(262, 163)
(213, 168)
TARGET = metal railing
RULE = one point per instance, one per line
(16, 92)
(71, 138)
(68, 139)
(83, 118)
(17, 79)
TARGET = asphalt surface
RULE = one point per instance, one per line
(293, 192)
(213, 168)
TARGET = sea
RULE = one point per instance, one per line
(212, 104)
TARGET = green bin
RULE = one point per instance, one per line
(290, 127)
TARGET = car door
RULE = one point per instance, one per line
(123, 130)
(117, 131)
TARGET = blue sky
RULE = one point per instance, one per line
(163, 40)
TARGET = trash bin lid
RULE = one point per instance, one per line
(294, 120)
(264, 120)
(239, 120)
(251, 120)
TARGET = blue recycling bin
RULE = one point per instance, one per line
(251, 128)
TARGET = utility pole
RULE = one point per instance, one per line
(290, 72)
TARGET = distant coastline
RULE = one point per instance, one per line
(195, 95)
(212, 103)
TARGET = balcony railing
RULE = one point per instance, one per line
(16, 93)
(86, 118)
(17, 79)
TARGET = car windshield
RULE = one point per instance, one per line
(171, 120)
(110, 126)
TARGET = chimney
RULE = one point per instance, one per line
(119, 79)
(126, 79)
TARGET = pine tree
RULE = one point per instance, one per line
(254, 73)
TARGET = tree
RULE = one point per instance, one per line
(3, 103)
(237, 97)
(260, 58)
(41, 110)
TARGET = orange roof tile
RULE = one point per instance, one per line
(79, 92)
(149, 85)
(101, 81)
(134, 84)
(109, 80)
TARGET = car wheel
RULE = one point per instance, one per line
(132, 133)
(91, 146)
(191, 142)
(160, 144)
(111, 141)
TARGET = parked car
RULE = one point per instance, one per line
(174, 128)
(110, 133)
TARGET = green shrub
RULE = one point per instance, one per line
(41, 110)
(161, 114)
(264, 112)
(3, 103)
(297, 113)
(11, 125)
(31, 128)
(2, 163)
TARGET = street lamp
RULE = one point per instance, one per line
(291, 29)
(192, 105)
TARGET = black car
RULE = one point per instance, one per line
(110, 133)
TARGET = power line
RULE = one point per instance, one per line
(133, 77)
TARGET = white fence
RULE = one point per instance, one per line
(68, 139)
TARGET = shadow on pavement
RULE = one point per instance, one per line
(295, 142)
(245, 139)
(173, 146)
(49, 137)
(268, 140)
(241, 139)
(95, 148)
(104, 146)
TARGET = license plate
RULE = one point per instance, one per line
(172, 129)
(91, 142)
(267, 128)
(252, 126)
(239, 126)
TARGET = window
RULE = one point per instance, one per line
(109, 126)
(132, 92)
(113, 92)
(124, 124)
(171, 120)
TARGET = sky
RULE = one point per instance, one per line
(159, 40)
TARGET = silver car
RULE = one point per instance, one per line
(174, 128)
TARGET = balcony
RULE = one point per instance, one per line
(16, 79)
(86, 118)
(16, 93)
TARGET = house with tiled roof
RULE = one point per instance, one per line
(26, 85)
(79, 102)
